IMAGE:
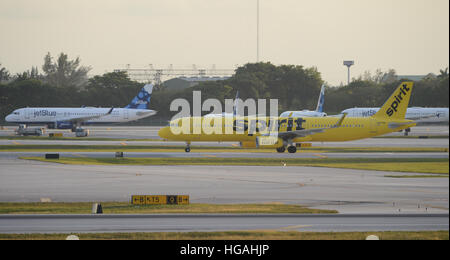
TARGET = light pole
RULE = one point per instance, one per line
(349, 63)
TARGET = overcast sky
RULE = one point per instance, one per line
(410, 36)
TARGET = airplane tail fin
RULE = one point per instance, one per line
(319, 107)
(396, 106)
(142, 100)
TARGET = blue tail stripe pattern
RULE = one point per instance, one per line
(142, 100)
(321, 100)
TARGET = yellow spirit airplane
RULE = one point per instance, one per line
(290, 132)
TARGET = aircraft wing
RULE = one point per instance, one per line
(86, 118)
(300, 133)
(306, 132)
(395, 125)
(424, 117)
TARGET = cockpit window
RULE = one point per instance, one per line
(16, 113)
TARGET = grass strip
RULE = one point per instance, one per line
(416, 165)
(416, 176)
(127, 208)
(412, 137)
(240, 235)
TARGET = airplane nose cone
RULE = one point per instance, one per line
(164, 133)
(8, 118)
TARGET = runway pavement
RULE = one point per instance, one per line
(123, 132)
(372, 142)
(15, 155)
(151, 132)
(348, 191)
(183, 223)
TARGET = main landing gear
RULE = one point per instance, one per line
(407, 131)
(291, 149)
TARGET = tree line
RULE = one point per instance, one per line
(64, 82)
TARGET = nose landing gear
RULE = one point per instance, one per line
(291, 149)
(188, 147)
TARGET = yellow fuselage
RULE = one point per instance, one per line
(244, 129)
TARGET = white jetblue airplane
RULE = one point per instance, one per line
(419, 114)
(308, 113)
(74, 118)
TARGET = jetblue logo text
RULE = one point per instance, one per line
(369, 113)
(44, 113)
